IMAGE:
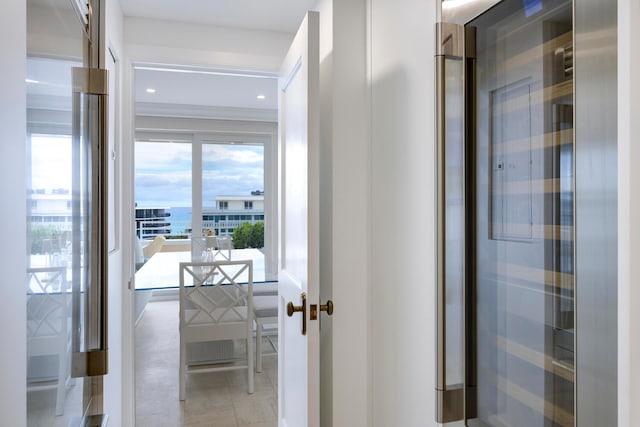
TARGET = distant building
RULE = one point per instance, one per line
(151, 222)
(50, 207)
(231, 211)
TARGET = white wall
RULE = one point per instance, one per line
(402, 235)
(13, 371)
(118, 388)
(378, 142)
(167, 42)
(325, 9)
(345, 214)
(628, 214)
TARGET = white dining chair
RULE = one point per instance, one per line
(214, 306)
(48, 334)
(265, 309)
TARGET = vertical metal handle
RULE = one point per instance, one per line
(440, 224)
(90, 157)
(450, 153)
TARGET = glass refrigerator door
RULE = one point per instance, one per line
(522, 244)
(506, 214)
(66, 336)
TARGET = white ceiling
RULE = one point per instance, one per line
(214, 89)
(205, 89)
(272, 15)
(50, 79)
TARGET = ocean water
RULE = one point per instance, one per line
(180, 219)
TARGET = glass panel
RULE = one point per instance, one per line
(163, 190)
(163, 199)
(233, 202)
(56, 226)
(523, 240)
(233, 191)
(454, 222)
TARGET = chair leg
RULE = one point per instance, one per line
(61, 389)
(250, 367)
(258, 347)
(182, 370)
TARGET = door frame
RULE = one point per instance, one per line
(128, 196)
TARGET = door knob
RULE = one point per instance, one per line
(328, 307)
(299, 308)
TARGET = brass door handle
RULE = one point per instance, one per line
(293, 308)
(299, 308)
(328, 307)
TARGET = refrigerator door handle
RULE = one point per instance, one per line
(90, 140)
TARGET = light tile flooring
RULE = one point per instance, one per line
(41, 406)
(217, 399)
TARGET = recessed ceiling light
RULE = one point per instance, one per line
(31, 81)
(151, 90)
(261, 97)
(452, 4)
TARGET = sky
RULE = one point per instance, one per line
(48, 155)
(163, 172)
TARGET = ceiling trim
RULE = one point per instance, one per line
(225, 71)
(152, 109)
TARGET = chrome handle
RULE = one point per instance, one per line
(440, 224)
(452, 56)
(89, 290)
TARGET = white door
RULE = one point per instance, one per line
(299, 354)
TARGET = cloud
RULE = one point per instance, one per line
(50, 162)
(163, 172)
(158, 155)
(231, 156)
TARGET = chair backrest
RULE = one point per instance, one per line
(216, 292)
(47, 300)
(154, 246)
(209, 248)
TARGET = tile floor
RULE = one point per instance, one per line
(217, 399)
(41, 407)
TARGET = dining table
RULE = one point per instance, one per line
(162, 270)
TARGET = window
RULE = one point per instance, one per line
(163, 189)
(223, 205)
(248, 204)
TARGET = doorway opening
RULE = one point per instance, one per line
(205, 168)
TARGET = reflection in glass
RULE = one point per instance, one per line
(55, 224)
(53, 397)
(523, 240)
(454, 223)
